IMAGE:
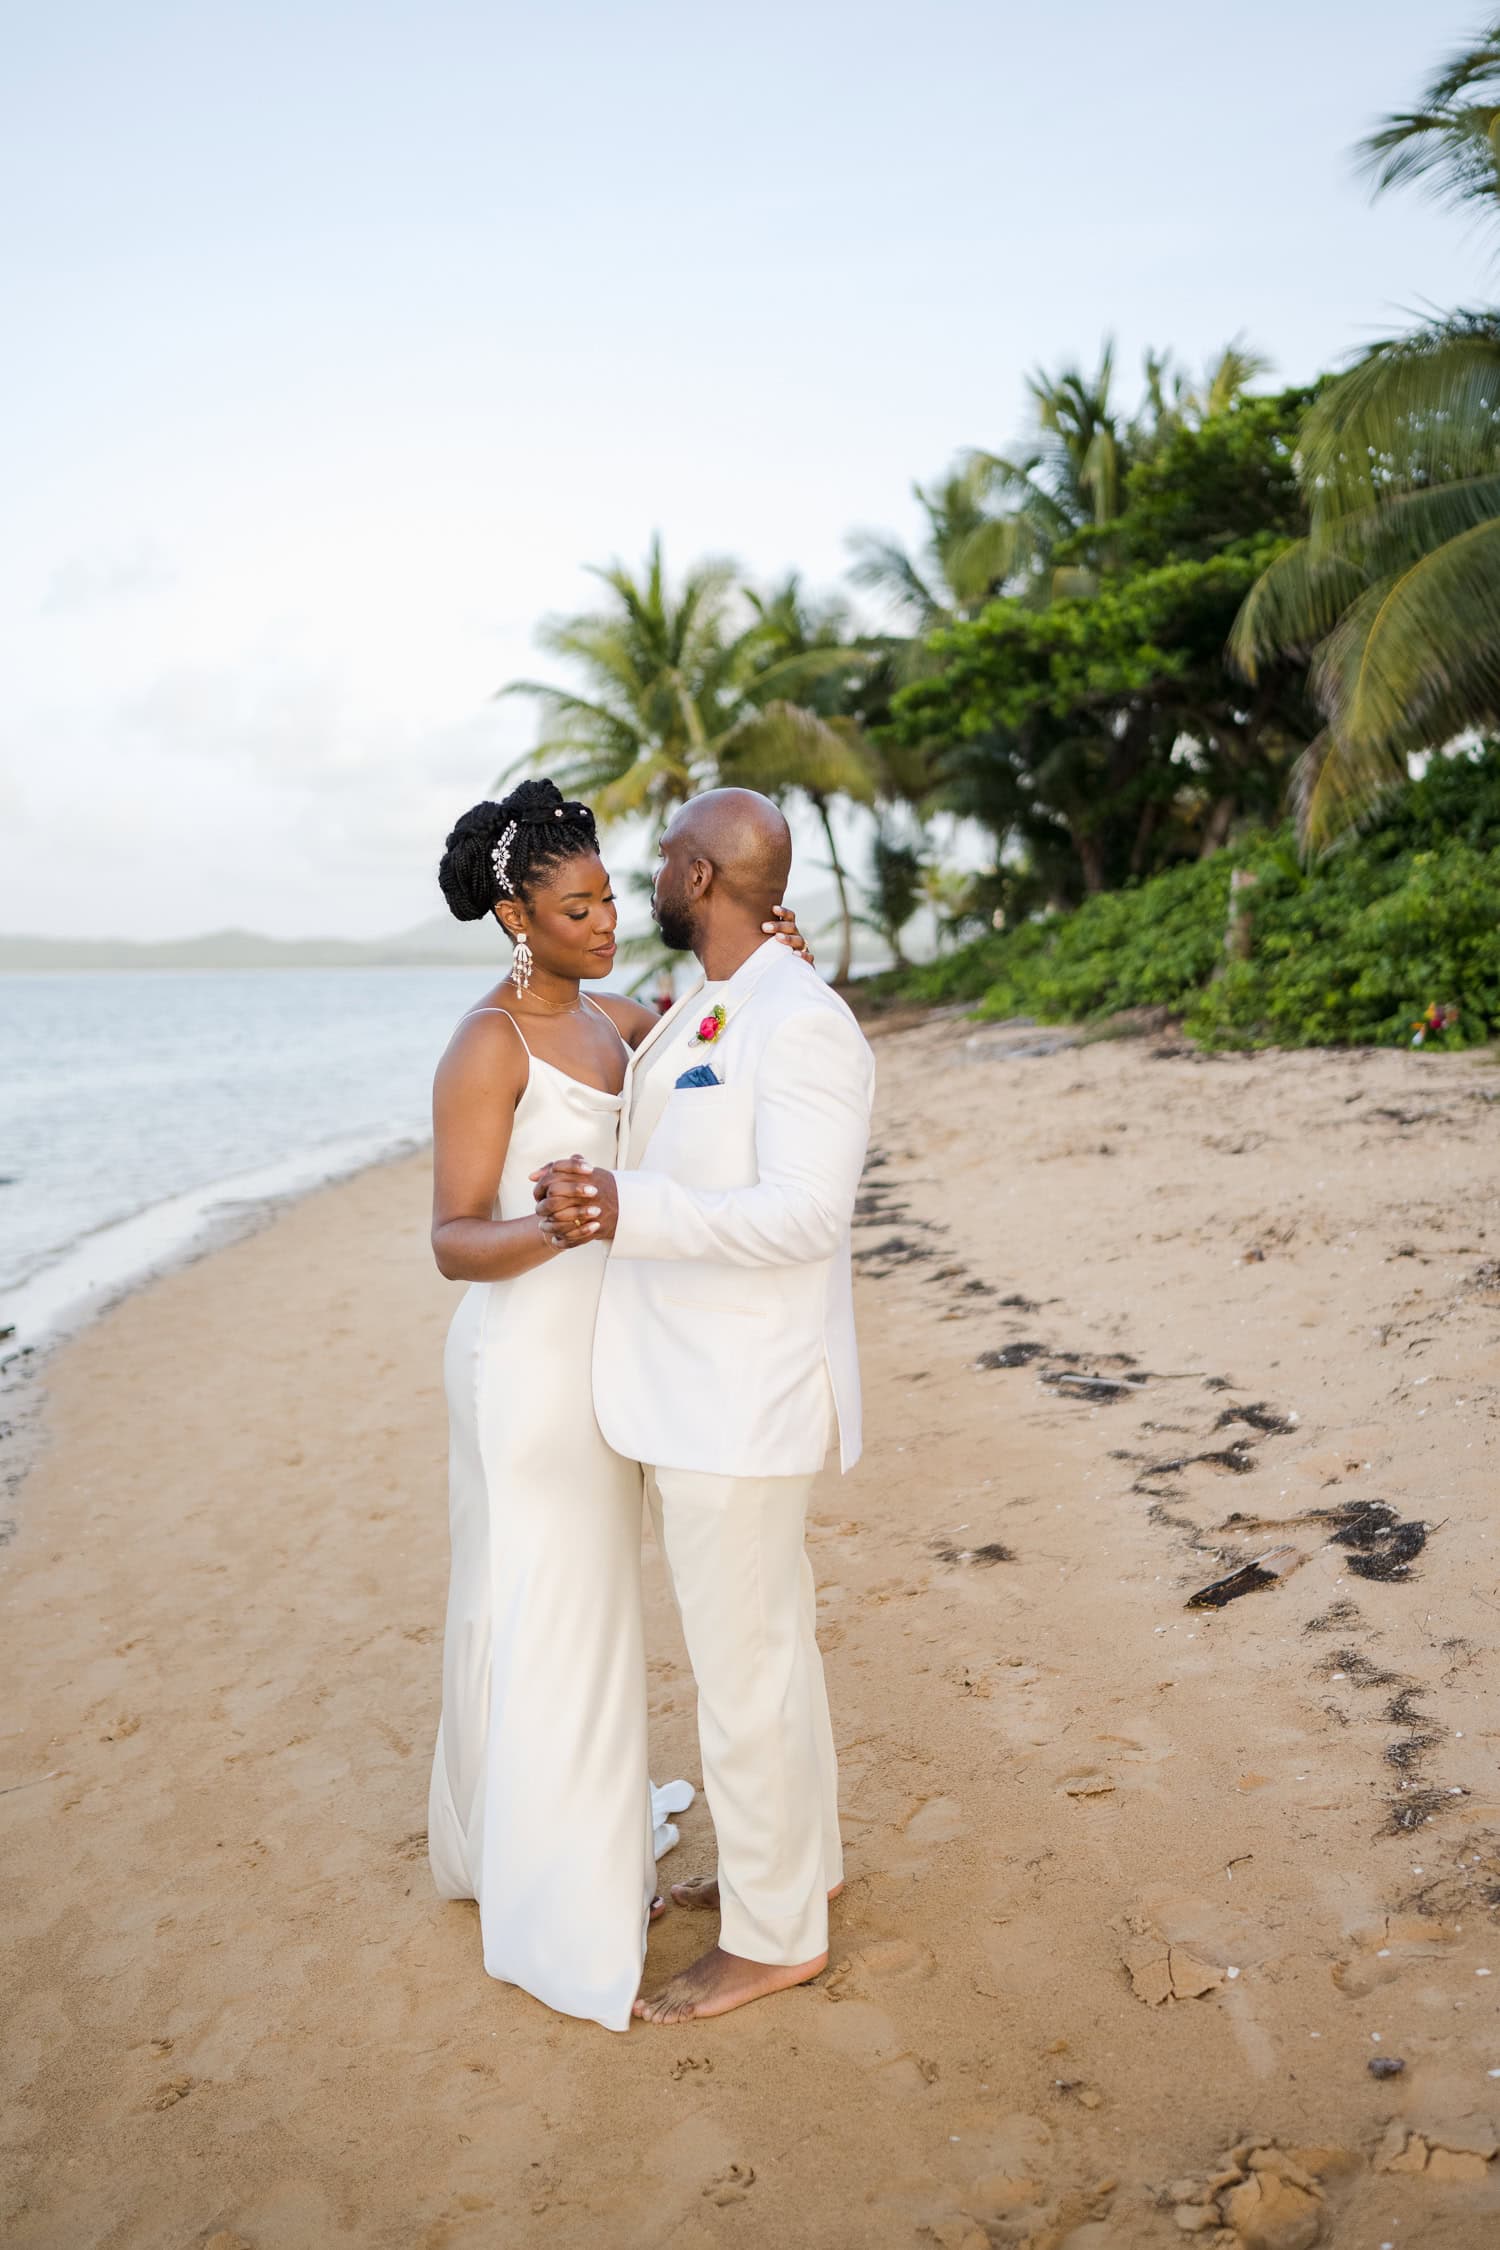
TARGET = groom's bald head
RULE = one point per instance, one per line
(744, 838)
(725, 861)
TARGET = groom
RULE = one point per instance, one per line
(724, 1359)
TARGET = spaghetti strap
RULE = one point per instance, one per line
(510, 1019)
(614, 1027)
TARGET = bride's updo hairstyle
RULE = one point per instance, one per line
(535, 828)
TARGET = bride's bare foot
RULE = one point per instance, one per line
(658, 1908)
(703, 1890)
(721, 1981)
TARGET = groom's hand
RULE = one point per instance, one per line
(576, 1204)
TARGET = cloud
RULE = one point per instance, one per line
(298, 725)
(95, 581)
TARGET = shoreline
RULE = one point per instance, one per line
(84, 1278)
(1135, 1889)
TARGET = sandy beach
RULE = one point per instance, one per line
(1138, 1892)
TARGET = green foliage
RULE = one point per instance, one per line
(1210, 485)
(895, 887)
(1349, 954)
(1104, 733)
(1395, 589)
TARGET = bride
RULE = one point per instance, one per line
(540, 1805)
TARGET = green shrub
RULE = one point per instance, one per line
(1348, 953)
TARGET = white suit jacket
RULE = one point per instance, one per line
(727, 1312)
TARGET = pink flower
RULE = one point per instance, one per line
(708, 1029)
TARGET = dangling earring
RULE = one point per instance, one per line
(520, 967)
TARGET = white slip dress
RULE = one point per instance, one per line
(540, 1806)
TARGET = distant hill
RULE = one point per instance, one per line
(436, 944)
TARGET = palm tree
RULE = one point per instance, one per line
(995, 522)
(1174, 401)
(967, 555)
(660, 673)
(794, 734)
(1395, 591)
(711, 686)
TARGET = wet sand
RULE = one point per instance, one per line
(1137, 1891)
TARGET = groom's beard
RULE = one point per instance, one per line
(675, 923)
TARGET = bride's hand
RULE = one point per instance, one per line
(783, 927)
(556, 1236)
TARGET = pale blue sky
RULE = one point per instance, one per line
(340, 336)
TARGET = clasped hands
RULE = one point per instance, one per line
(575, 1204)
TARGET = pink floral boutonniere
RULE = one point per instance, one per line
(710, 1028)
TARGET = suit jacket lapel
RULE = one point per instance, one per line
(645, 1112)
(646, 1108)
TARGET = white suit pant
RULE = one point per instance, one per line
(744, 1589)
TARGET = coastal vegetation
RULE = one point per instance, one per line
(1208, 632)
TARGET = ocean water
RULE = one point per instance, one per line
(140, 1112)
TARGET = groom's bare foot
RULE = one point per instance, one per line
(721, 1981)
(658, 1908)
(703, 1890)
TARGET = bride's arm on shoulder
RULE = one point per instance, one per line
(474, 1095)
(629, 1018)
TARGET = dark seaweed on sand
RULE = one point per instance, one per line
(1381, 1545)
(1260, 1417)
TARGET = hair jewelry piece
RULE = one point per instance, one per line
(500, 861)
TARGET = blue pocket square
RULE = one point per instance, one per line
(700, 1075)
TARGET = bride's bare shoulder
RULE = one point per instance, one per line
(486, 1041)
(629, 1018)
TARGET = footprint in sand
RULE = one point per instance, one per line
(1220, 1933)
(909, 2076)
(892, 1960)
(1384, 1948)
(1148, 1746)
(937, 1821)
(903, 1849)
(860, 2033)
(880, 1965)
(1085, 1782)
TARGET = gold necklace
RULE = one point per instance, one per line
(573, 1007)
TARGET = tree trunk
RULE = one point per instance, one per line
(845, 967)
(1239, 933)
(1150, 821)
(1217, 826)
(1090, 852)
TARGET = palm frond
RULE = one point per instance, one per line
(786, 746)
(1404, 526)
(1297, 600)
(1336, 788)
(882, 565)
(649, 784)
(1416, 659)
(1230, 376)
(1419, 408)
(1449, 144)
(792, 675)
